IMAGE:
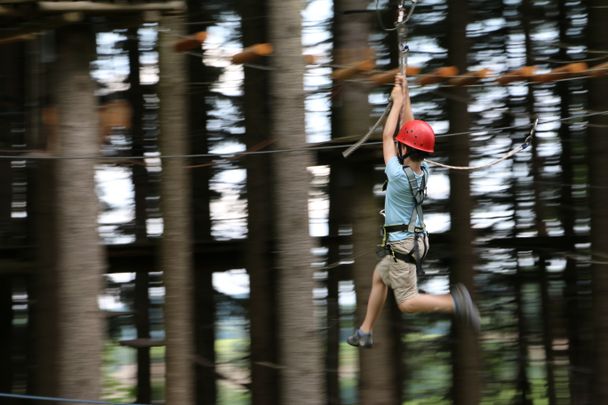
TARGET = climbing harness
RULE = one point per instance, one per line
(400, 25)
(417, 216)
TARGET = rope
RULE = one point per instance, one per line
(521, 147)
(360, 142)
(400, 26)
(32, 154)
(58, 399)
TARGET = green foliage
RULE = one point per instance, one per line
(116, 362)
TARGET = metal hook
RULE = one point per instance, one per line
(530, 135)
(409, 13)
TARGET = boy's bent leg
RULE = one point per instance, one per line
(458, 302)
(427, 303)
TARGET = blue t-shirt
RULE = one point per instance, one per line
(399, 201)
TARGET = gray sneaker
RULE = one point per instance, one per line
(360, 339)
(464, 308)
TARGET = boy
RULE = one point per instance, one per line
(405, 240)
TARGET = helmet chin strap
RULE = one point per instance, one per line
(400, 154)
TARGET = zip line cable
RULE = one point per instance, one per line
(38, 155)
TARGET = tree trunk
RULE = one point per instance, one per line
(176, 250)
(466, 379)
(578, 342)
(43, 314)
(6, 331)
(80, 259)
(523, 382)
(11, 94)
(378, 368)
(379, 371)
(140, 181)
(42, 195)
(262, 301)
(204, 304)
(598, 167)
(6, 193)
(300, 352)
(540, 226)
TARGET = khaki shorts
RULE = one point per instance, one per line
(398, 274)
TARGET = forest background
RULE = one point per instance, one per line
(237, 243)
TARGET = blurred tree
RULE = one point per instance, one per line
(42, 208)
(597, 39)
(300, 352)
(350, 116)
(260, 265)
(176, 245)
(6, 320)
(380, 377)
(9, 92)
(466, 379)
(352, 201)
(200, 78)
(140, 186)
(80, 260)
(571, 136)
(5, 196)
(540, 214)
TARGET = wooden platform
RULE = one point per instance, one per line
(142, 343)
(220, 256)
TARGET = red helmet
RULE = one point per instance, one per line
(417, 134)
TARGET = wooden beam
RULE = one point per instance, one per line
(139, 343)
(310, 59)
(599, 70)
(470, 77)
(523, 73)
(566, 71)
(96, 7)
(251, 53)
(438, 75)
(16, 38)
(365, 65)
(381, 78)
(190, 42)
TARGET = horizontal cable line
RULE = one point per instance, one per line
(31, 155)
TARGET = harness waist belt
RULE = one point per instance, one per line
(402, 228)
(387, 251)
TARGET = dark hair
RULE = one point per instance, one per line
(416, 155)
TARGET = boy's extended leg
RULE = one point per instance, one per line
(458, 302)
(377, 297)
